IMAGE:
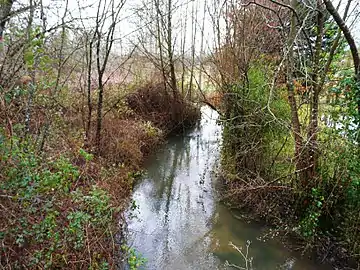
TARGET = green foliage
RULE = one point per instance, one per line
(75, 231)
(344, 109)
(257, 142)
(87, 156)
(34, 53)
(53, 217)
(333, 206)
(249, 122)
(135, 260)
(340, 169)
(309, 224)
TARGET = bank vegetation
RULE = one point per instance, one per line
(77, 119)
(289, 78)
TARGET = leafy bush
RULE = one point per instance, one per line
(251, 134)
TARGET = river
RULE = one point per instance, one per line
(179, 222)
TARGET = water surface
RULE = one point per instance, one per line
(181, 225)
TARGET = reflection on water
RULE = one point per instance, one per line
(179, 223)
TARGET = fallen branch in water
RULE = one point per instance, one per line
(248, 261)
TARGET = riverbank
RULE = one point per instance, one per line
(61, 207)
(259, 179)
(278, 168)
(323, 249)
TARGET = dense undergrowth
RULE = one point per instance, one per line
(61, 205)
(55, 210)
(261, 179)
(152, 103)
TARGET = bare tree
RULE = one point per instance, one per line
(104, 44)
(160, 27)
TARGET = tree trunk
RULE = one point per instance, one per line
(31, 71)
(170, 52)
(295, 123)
(159, 42)
(312, 153)
(99, 117)
(89, 56)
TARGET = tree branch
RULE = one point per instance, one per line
(348, 36)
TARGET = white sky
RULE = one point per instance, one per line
(130, 27)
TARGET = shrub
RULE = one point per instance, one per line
(128, 141)
(167, 112)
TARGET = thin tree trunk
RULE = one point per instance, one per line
(101, 65)
(170, 50)
(59, 67)
(202, 44)
(292, 100)
(31, 86)
(89, 56)
(194, 28)
(99, 116)
(183, 58)
(100, 95)
(314, 105)
(346, 31)
(159, 42)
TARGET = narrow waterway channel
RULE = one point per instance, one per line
(181, 225)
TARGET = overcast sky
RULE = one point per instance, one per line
(130, 26)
